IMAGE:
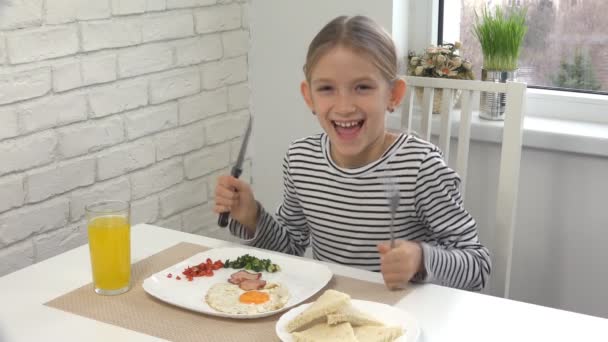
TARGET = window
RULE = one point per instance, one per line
(563, 58)
(566, 45)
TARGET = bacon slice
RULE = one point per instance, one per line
(238, 277)
(252, 284)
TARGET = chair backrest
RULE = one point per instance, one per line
(510, 156)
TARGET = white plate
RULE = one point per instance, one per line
(389, 315)
(302, 279)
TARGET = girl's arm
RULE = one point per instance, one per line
(288, 233)
(454, 256)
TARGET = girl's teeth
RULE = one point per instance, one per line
(347, 124)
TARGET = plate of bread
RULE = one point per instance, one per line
(334, 316)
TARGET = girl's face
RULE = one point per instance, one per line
(350, 98)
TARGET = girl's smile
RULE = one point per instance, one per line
(348, 130)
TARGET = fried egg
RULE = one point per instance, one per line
(229, 298)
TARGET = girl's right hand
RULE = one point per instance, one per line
(236, 196)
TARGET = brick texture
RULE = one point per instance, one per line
(136, 100)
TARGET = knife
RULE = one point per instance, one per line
(237, 169)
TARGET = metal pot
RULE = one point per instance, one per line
(492, 105)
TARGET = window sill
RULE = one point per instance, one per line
(543, 133)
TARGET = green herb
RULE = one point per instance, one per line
(252, 263)
(501, 35)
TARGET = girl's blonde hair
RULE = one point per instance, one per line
(362, 35)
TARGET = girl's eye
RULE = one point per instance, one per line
(363, 87)
(324, 88)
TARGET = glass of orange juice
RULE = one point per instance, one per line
(110, 246)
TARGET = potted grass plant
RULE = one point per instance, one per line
(501, 34)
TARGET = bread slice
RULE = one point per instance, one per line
(329, 302)
(353, 316)
(371, 333)
(324, 333)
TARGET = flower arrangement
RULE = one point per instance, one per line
(440, 61)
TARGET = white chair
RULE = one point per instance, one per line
(508, 178)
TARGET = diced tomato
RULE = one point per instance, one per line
(178, 278)
(169, 275)
(204, 269)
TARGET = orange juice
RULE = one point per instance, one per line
(110, 247)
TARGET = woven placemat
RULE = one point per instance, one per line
(138, 311)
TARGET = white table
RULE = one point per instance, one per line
(445, 314)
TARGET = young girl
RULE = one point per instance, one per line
(335, 183)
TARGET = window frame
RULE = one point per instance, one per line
(423, 28)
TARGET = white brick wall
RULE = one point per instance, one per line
(125, 158)
(79, 139)
(144, 59)
(123, 7)
(174, 84)
(118, 97)
(189, 3)
(52, 111)
(137, 100)
(67, 11)
(110, 33)
(58, 179)
(98, 68)
(23, 85)
(203, 162)
(180, 141)
(224, 72)
(150, 120)
(21, 223)
(19, 14)
(26, 152)
(184, 196)
(203, 105)
(156, 178)
(67, 75)
(199, 49)
(12, 194)
(42, 43)
(218, 18)
(167, 26)
(9, 127)
(144, 210)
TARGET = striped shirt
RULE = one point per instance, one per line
(343, 214)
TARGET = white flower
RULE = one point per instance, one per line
(467, 65)
(414, 60)
(431, 49)
(440, 59)
(427, 62)
(450, 72)
(456, 62)
(457, 45)
(419, 70)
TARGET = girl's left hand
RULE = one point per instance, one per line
(400, 264)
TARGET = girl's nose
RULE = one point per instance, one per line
(344, 104)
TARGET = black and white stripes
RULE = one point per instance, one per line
(344, 213)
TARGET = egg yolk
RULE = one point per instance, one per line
(254, 297)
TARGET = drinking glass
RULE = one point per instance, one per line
(110, 246)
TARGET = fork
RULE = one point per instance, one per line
(392, 194)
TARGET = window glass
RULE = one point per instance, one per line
(566, 46)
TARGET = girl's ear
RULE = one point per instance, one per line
(305, 90)
(397, 92)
